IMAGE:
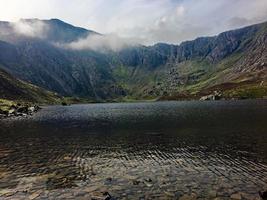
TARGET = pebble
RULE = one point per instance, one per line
(169, 194)
(236, 196)
(212, 194)
(91, 188)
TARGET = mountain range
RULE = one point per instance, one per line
(33, 52)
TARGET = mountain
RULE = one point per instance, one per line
(14, 89)
(233, 62)
(53, 30)
(228, 61)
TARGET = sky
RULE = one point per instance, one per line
(146, 21)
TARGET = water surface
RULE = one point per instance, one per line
(161, 150)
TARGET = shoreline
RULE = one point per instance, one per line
(18, 110)
(28, 109)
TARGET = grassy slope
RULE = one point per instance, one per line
(20, 91)
(215, 78)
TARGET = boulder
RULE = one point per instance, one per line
(212, 97)
(31, 109)
(207, 98)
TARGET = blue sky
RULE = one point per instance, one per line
(147, 21)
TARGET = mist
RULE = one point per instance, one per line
(30, 28)
(110, 42)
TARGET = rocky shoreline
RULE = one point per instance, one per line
(16, 110)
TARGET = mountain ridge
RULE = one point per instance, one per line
(140, 72)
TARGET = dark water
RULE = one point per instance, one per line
(163, 150)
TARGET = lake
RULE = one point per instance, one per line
(153, 150)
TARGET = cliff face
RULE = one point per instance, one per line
(237, 57)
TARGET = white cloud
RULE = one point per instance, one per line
(100, 43)
(149, 20)
(180, 11)
(30, 28)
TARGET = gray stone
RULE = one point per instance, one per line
(236, 196)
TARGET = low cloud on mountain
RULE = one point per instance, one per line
(30, 28)
(171, 21)
(100, 43)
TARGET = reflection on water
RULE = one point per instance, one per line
(164, 150)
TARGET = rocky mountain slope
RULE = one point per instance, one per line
(234, 62)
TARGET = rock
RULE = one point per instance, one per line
(102, 196)
(129, 177)
(148, 184)
(107, 196)
(18, 110)
(34, 195)
(109, 179)
(206, 98)
(91, 188)
(148, 180)
(31, 109)
(236, 196)
(11, 111)
(36, 107)
(188, 197)
(136, 182)
(215, 96)
(170, 194)
(67, 158)
(246, 195)
(5, 191)
(212, 194)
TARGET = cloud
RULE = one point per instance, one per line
(174, 21)
(100, 43)
(150, 21)
(30, 28)
(238, 21)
